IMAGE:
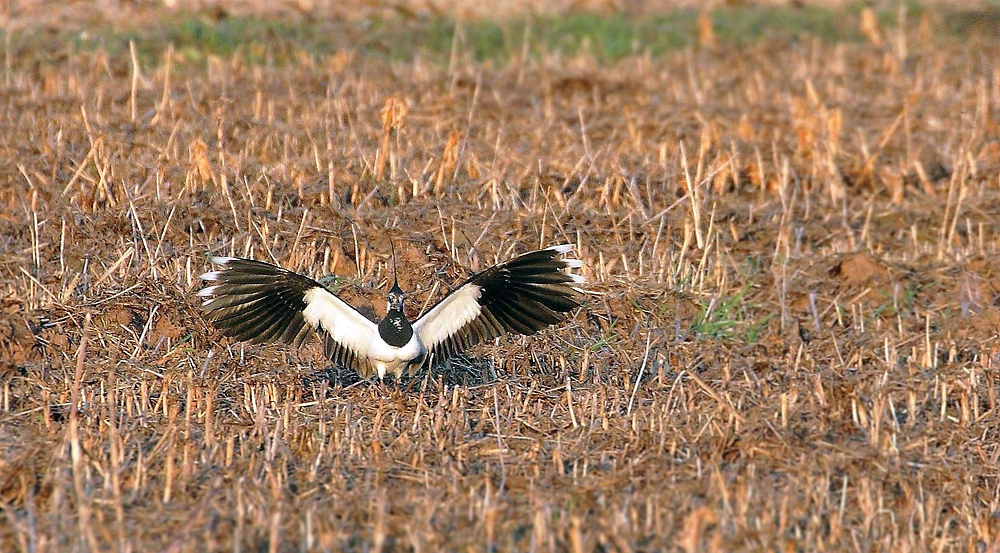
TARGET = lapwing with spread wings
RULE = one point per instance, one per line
(263, 303)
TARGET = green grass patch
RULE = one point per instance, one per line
(722, 317)
(608, 38)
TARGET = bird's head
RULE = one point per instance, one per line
(395, 298)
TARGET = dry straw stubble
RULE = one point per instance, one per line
(791, 341)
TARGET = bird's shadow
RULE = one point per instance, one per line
(459, 370)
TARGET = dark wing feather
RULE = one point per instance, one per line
(257, 302)
(523, 295)
(262, 303)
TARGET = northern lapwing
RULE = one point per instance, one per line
(262, 303)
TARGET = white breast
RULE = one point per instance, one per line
(392, 360)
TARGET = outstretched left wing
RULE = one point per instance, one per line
(523, 295)
(263, 303)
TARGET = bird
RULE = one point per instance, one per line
(261, 303)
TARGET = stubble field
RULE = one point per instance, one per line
(790, 341)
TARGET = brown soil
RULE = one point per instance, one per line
(789, 344)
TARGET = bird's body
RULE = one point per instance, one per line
(390, 350)
(388, 359)
(262, 303)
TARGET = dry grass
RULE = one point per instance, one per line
(791, 342)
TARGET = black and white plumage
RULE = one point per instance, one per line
(262, 303)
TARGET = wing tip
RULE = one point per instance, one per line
(211, 276)
(217, 275)
(570, 264)
(562, 248)
(207, 291)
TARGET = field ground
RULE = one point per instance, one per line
(791, 231)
